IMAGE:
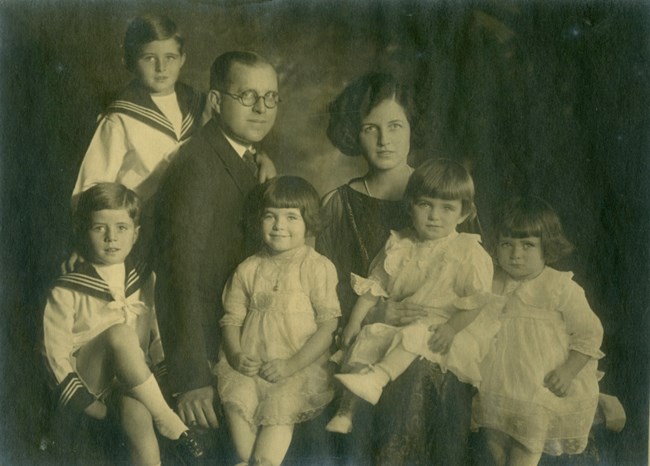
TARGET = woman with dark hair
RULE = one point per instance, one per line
(422, 417)
(372, 118)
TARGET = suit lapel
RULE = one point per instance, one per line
(232, 162)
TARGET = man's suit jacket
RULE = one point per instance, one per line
(199, 240)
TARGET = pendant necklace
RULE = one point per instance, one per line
(365, 185)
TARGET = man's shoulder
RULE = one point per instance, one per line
(202, 150)
(206, 140)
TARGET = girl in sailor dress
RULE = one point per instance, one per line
(100, 332)
(281, 310)
(540, 381)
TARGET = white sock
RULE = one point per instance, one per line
(165, 419)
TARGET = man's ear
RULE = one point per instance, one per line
(214, 97)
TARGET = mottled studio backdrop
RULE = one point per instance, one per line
(554, 99)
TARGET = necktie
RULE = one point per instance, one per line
(249, 158)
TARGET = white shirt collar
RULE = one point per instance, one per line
(239, 148)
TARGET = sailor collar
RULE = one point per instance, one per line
(137, 103)
(85, 279)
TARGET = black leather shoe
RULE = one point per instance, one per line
(188, 446)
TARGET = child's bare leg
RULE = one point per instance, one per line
(521, 456)
(243, 435)
(117, 351)
(141, 438)
(272, 445)
(498, 443)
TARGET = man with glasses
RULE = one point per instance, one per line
(199, 225)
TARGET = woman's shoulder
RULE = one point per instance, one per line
(337, 194)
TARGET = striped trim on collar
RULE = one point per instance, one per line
(137, 103)
(85, 279)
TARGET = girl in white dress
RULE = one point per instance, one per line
(281, 310)
(540, 383)
(432, 267)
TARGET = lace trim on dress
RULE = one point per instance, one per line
(362, 286)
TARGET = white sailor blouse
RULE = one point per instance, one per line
(80, 306)
(134, 141)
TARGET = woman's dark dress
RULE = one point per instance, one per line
(423, 417)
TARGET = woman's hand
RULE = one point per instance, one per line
(350, 332)
(245, 364)
(276, 370)
(96, 410)
(442, 338)
(399, 313)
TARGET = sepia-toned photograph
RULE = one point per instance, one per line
(324, 232)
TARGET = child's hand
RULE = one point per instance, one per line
(350, 332)
(558, 381)
(245, 364)
(276, 370)
(96, 410)
(266, 168)
(442, 338)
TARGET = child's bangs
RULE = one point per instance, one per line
(522, 226)
(448, 188)
(281, 199)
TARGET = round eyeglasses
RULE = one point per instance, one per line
(249, 98)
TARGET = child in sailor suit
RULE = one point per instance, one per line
(141, 130)
(100, 328)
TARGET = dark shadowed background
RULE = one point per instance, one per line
(554, 99)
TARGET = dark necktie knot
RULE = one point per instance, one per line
(249, 158)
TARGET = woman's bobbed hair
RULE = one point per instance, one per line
(356, 101)
(442, 179)
(293, 192)
(148, 28)
(531, 216)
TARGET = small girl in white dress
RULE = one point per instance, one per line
(540, 383)
(281, 310)
(432, 267)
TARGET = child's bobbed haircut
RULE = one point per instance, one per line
(357, 101)
(442, 179)
(293, 192)
(531, 216)
(148, 28)
(105, 196)
(220, 69)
